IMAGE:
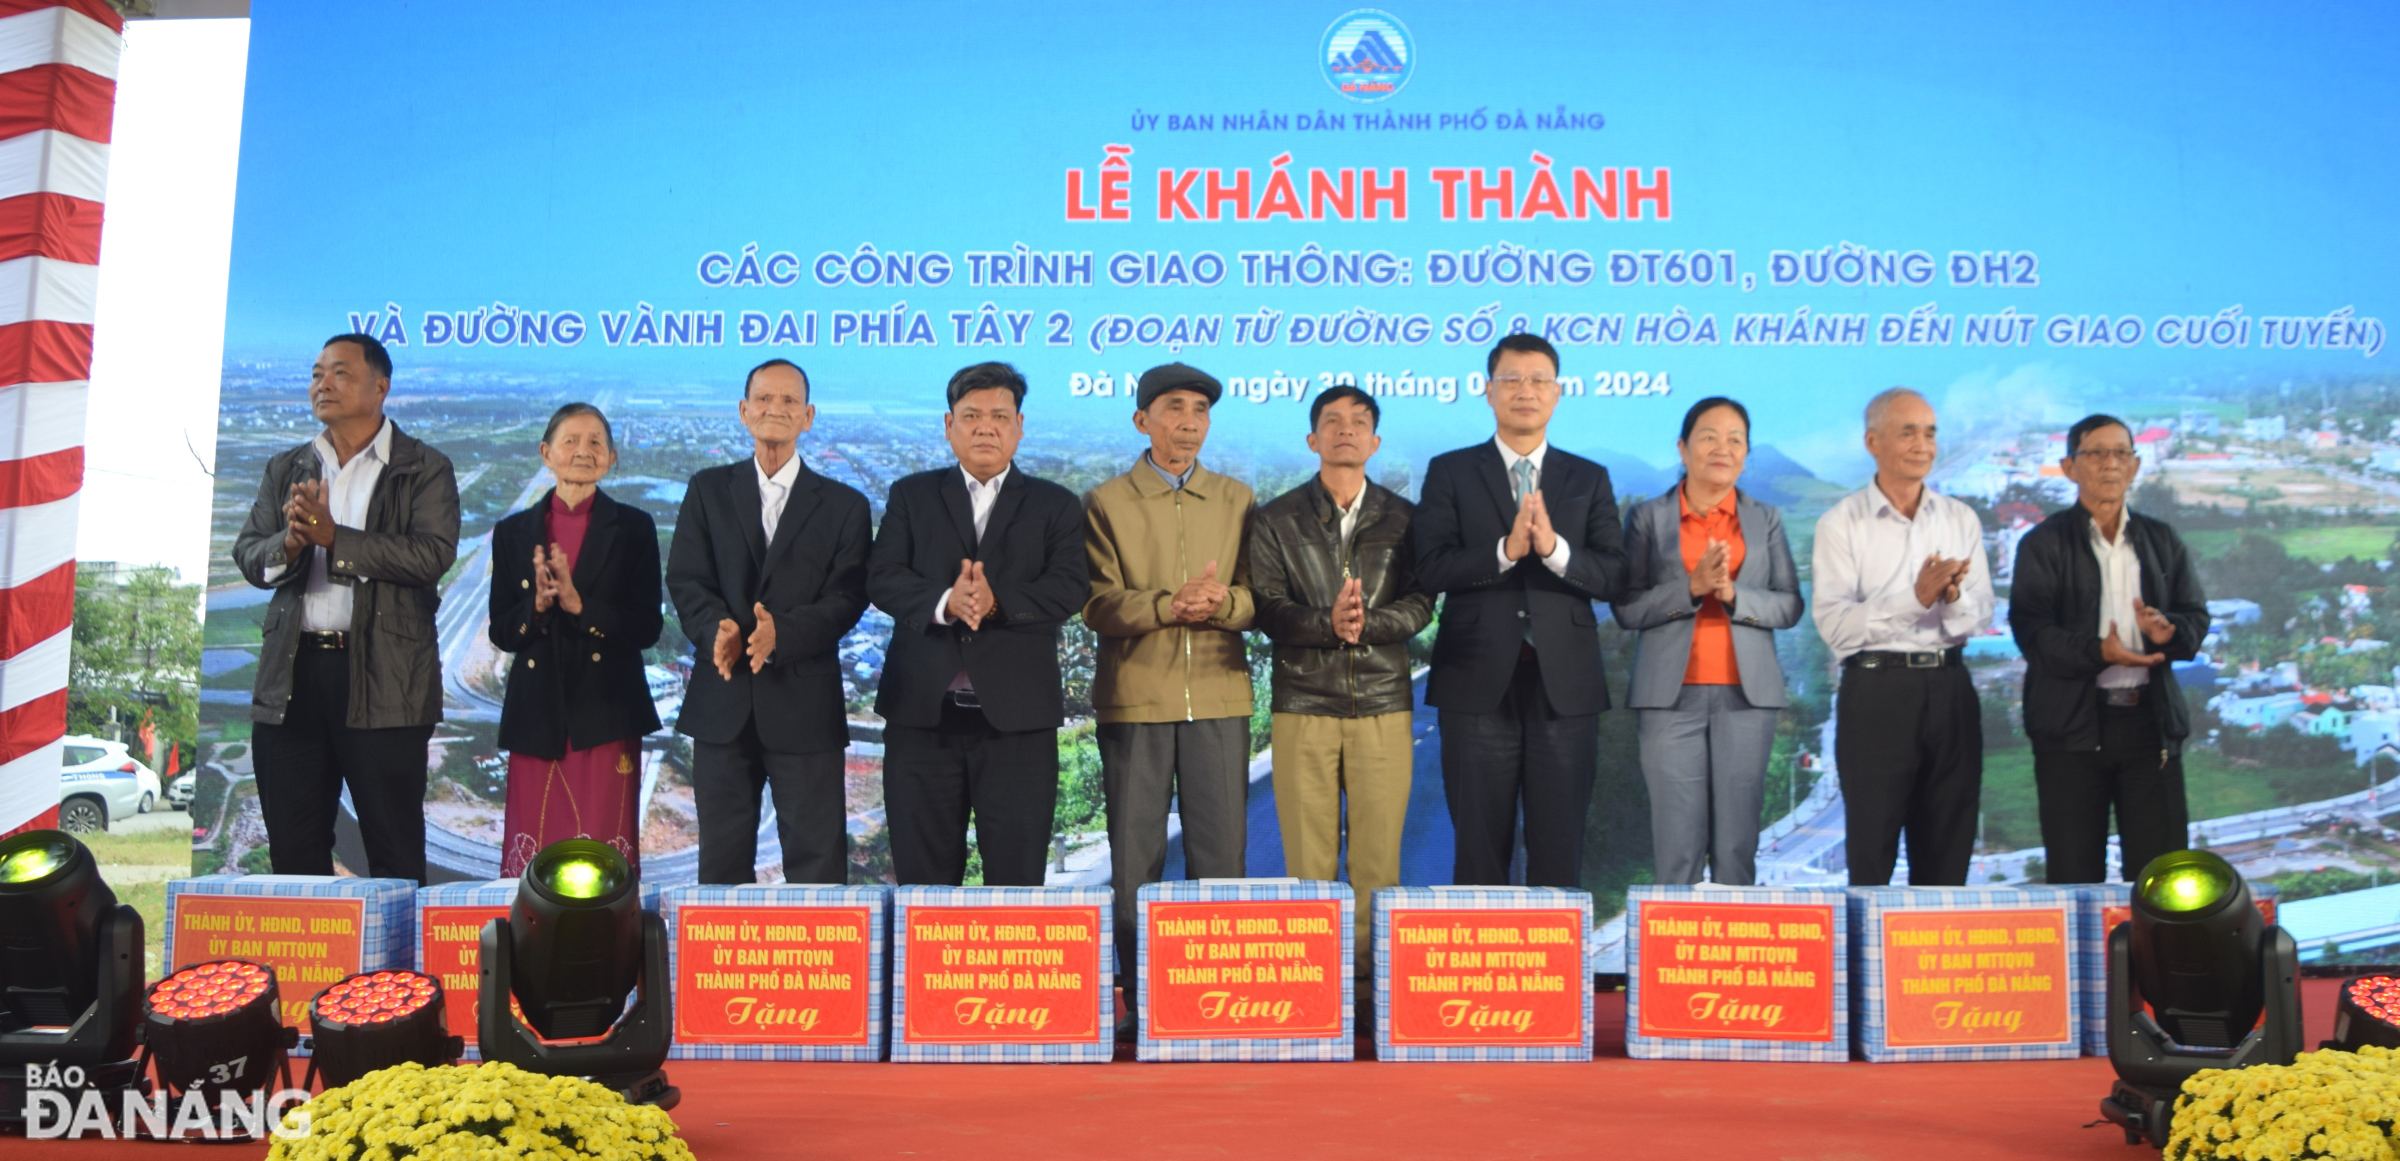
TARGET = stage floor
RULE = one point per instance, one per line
(1614, 1107)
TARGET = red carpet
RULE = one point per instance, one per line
(1613, 1107)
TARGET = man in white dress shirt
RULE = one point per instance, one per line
(353, 531)
(1901, 583)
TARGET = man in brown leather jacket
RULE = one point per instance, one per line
(1336, 587)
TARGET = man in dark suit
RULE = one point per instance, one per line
(978, 566)
(768, 570)
(1521, 537)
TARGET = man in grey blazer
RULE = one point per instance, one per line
(1711, 579)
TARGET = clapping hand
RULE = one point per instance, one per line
(1542, 538)
(1520, 530)
(762, 638)
(2154, 624)
(1200, 597)
(545, 582)
(1350, 611)
(2114, 651)
(728, 647)
(1938, 579)
(562, 582)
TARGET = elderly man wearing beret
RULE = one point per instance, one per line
(1170, 599)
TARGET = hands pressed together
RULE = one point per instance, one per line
(1200, 597)
(971, 598)
(1713, 576)
(554, 582)
(1531, 531)
(307, 517)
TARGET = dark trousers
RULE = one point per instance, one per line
(2132, 771)
(1526, 748)
(809, 810)
(1201, 768)
(1909, 745)
(303, 764)
(934, 779)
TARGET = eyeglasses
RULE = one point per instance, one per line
(2109, 455)
(1511, 382)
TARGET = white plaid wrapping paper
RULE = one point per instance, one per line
(388, 908)
(1868, 905)
(1343, 1046)
(1099, 1050)
(1727, 1048)
(877, 901)
(1476, 899)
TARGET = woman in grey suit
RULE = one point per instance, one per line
(1711, 579)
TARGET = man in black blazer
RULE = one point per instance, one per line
(768, 570)
(978, 566)
(1521, 538)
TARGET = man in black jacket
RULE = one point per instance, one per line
(1337, 594)
(768, 570)
(978, 565)
(1522, 537)
(2104, 600)
(353, 530)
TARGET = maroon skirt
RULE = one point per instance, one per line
(589, 794)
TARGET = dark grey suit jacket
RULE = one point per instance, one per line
(1658, 600)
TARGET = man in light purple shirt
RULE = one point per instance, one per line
(1900, 584)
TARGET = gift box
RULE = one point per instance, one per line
(1737, 973)
(1246, 969)
(313, 930)
(1482, 973)
(1965, 973)
(1002, 974)
(778, 972)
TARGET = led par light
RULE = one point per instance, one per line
(2369, 1014)
(374, 1020)
(212, 1028)
(558, 971)
(70, 971)
(2189, 977)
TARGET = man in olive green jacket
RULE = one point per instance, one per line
(1170, 598)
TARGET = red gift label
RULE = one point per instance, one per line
(311, 943)
(453, 935)
(1002, 975)
(1245, 969)
(772, 975)
(1975, 977)
(1508, 976)
(1725, 970)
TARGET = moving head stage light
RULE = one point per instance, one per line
(70, 971)
(558, 970)
(375, 1020)
(2190, 977)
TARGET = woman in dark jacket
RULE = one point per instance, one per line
(576, 599)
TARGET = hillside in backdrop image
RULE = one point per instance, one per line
(2182, 215)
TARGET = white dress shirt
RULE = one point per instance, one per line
(1556, 562)
(1350, 519)
(325, 604)
(980, 498)
(2120, 587)
(774, 491)
(1865, 572)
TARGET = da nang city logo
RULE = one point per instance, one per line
(1367, 55)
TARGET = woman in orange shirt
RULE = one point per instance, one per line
(1711, 580)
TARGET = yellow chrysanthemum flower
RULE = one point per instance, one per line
(486, 1112)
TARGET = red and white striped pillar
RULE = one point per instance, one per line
(58, 95)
